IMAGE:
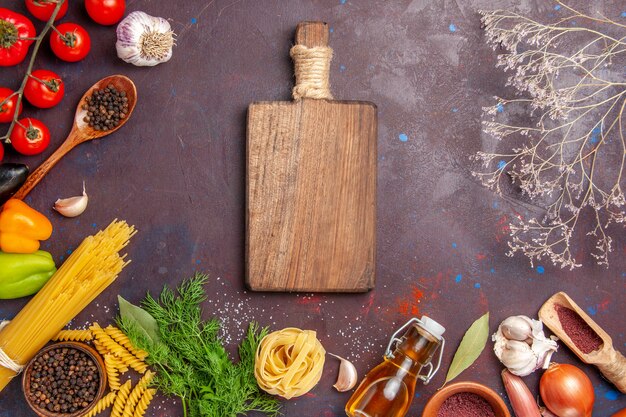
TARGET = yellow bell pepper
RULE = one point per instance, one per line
(22, 227)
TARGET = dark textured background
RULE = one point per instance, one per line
(176, 171)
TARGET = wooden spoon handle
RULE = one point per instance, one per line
(614, 369)
(37, 175)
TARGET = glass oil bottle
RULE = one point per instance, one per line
(388, 389)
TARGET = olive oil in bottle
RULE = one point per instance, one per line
(388, 389)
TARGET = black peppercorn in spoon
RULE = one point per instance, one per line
(81, 130)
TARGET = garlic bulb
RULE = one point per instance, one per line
(144, 40)
(521, 345)
(72, 206)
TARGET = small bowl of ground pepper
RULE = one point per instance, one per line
(64, 380)
(466, 399)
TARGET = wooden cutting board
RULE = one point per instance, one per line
(311, 191)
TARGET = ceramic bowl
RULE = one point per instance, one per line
(92, 353)
(494, 400)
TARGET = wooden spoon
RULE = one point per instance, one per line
(81, 131)
(610, 362)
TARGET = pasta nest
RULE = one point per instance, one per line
(289, 362)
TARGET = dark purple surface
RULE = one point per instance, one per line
(176, 171)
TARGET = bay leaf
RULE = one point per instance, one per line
(140, 318)
(471, 347)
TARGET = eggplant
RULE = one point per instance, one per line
(12, 177)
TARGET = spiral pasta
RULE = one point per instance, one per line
(115, 362)
(118, 350)
(134, 362)
(101, 349)
(135, 394)
(112, 372)
(289, 362)
(145, 380)
(104, 403)
(74, 335)
(106, 341)
(121, 366)
(144, 402)
(120, 399)
(119, 336)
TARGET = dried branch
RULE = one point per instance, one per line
(571, 158)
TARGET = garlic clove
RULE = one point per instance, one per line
(519, 358)
(72, 206)
(517, 328)
(346, 380)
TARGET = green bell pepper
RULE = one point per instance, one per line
(24, 274)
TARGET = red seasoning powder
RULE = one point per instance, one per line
(583, 336)
(465, 404)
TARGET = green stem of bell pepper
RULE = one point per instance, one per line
(24, 274)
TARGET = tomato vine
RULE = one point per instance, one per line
(20, 92)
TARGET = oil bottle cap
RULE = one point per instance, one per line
(432, 327)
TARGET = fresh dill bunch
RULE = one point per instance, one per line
(190, 359)
(245, 392)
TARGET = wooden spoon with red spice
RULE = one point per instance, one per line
(584, 337)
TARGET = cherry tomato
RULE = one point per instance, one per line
(44, 89)
(42, 9)
(1, 151)
(30, 136)
(7, 110)
(14, 29)
(73, 43)
(105, 12)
